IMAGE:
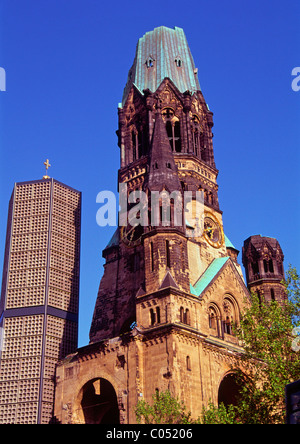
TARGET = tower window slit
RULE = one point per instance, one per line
(152, 316)
(158, 315)
(272, 294)
(168, 253)
(151, 256)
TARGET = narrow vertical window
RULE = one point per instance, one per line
(168, 253)
(227, 326)
(133, 138)
(151, 257)
(272, 294)
(182, 256)
(140, 144)
(188, 363)
(170, 133)
(187, 319)
(182, 314)
(271, 268)
(177, 138)
(152, 316)
(158, 315)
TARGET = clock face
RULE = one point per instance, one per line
(212, 231)
(131, 235)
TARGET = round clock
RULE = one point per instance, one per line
(131, 235)
(212, 231)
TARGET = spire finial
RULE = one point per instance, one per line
(47, 165)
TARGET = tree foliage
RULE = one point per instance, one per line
(164, 409)
(270, 361)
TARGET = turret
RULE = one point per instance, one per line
(263, 262)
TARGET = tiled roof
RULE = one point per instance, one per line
(161, 53)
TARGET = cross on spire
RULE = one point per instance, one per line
(47, 165)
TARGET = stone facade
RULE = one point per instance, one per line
(263, 262)
(169, 294)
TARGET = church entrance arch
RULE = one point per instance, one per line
(229, 390)
(99, 404)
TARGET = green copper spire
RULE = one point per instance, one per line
(162, 53)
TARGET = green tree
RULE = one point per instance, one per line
(220, 415)
(165, 409)
(270, 360)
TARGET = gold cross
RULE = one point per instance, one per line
(47, 165)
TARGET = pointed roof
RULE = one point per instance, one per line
(228, 243)
(114, 241)
(140, 292)
(168, 281)
(161, 53)
(162, 171)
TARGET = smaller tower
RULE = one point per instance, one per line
(263, 262)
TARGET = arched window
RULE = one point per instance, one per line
(272, 294)
(134, 145)
(271, 268)
(185, 316)
(182, 315)
(188, 363)
(231, 316)
(227, 326)
(150, 62)
(259, 297)
(152, 317)
(151, 256)
(214, 321)
(177, 138)
(212, 318)
(197, 135)
(140, 143)
(138, 139)
(173, 129)
(178, 62)
(158, 315)
(187, 319)
(168, 253)
(255, 269)
(268, 266)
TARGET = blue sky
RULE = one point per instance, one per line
(66, 64)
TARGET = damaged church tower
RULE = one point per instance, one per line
(169, 295)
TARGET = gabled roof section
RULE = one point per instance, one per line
(209, 274)
(168, 281)
(161, 53)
